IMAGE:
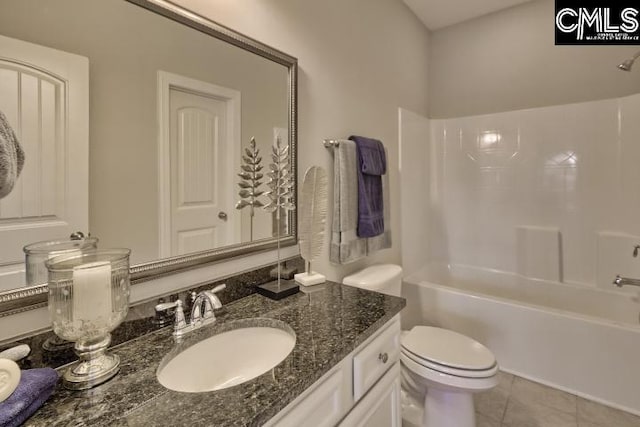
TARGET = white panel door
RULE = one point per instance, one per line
(200, 184)
(44, 94)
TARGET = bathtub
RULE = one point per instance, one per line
(582, 340)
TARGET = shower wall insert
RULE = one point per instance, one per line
(549, 193)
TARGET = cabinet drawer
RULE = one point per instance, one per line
(370, 363)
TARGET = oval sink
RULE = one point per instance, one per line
(228, 358)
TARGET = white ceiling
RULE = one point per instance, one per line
(437, 14)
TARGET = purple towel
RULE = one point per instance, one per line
(372, 164)
(36, 385)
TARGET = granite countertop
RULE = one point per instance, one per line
(329, 323)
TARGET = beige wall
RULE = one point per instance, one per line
(507, 61)
(359, 61)
(126, 46)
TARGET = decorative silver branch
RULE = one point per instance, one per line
(250, 184)
(280, 187)
(280, 180)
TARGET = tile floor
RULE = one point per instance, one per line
(517, 402)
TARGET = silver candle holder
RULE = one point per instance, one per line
(89, 298)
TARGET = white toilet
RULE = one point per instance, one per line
(441, 369)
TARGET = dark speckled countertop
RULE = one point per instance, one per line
(329, 323)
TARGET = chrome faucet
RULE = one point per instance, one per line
(207, 300)
(202, 311)
(624, 281)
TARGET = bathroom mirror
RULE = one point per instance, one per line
(135, 116)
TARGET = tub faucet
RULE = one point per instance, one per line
(624, 281)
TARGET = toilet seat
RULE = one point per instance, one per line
(428, 377)
(448, 352)
(462, 373)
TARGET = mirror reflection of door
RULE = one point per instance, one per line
(44, 93)
(201, 120)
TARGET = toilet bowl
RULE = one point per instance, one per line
(441, 369)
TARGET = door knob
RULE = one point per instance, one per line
(78, 235)
(222, 215)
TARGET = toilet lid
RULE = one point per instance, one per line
(448, 348)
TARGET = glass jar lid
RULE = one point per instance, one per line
(68, 262)
(49, 246)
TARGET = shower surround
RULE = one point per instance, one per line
(550, 193)
(529, 216)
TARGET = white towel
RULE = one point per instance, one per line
(11, 157)
(346, 246)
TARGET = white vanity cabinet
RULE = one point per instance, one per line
(381, 406)
(362, 390)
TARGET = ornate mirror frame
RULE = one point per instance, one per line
(31, 297)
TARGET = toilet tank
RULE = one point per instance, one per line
(384, 278)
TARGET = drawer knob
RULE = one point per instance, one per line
(383, 357)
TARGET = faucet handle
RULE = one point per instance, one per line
(219, 288)
(180, 321)
(215, 301)
(168, 305)
(636, 248)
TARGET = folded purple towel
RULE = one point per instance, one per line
(371, 156)
(36, 385)
(372, 164)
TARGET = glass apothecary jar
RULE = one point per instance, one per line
(89, 298)
(37, 253)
